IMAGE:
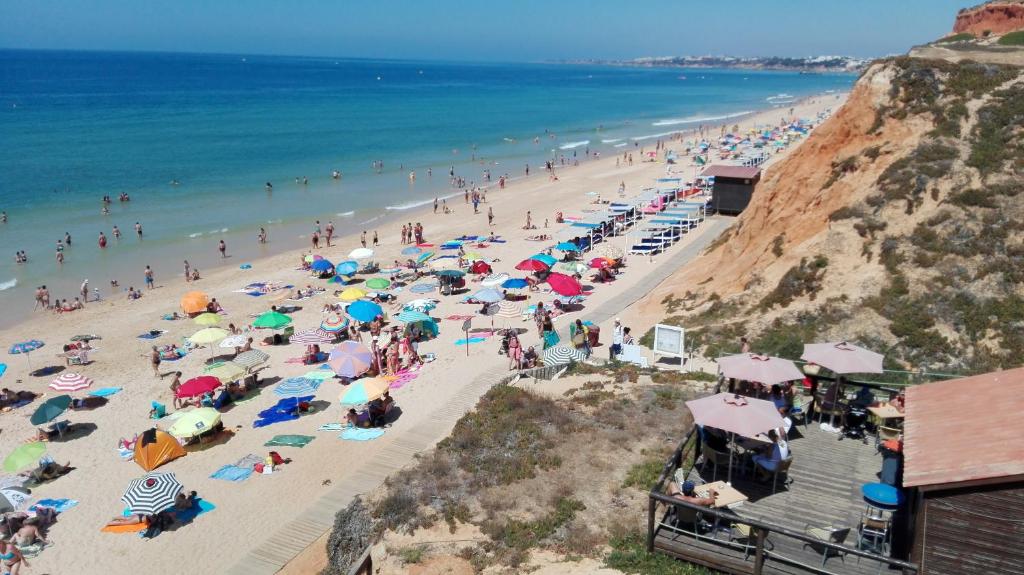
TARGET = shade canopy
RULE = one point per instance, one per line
(334, 324)
(364, 391)
(346, 268)
(378, 283)
(250, 359)
(25, 346)
(155, 448)
(532, 265)
(421, 304)
(843, 357)
(364, 311)
(561, 354)
(152, 493)
(412, 316)
(489, 295)
(350, 359)
(272, 320)
(207, 319)
(313, 336)
(567, 247)
(761, 369)
(549, 260)
(225, 371)
(297, 386)
(352, 294)
(321, 265)
(494, 280)
(208, 335)
(195, 422)
(744, 416)
(71, 382)
(360, 253)
(13, 498)
(24, 455)
(198, 386)
(564, 285)
(194, 302)
(50, 409)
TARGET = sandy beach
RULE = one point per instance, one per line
(248, 512)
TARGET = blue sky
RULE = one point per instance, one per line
(516, 30)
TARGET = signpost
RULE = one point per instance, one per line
(466, 325)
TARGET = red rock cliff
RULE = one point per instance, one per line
(997, 18)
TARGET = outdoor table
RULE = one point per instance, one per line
(886, 411)
(727, 496)
(881, 496)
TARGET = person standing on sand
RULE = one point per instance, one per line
(262, 236)
(435, 204)
(330, 232)
(223, 248)
(188, 272)
(138, 230)
(154, 360)
(84, 290)
(362, 239)
(490, 216)
(376, 242)
(529, 220)
(316, 239)
(405, 233)
(148, 275)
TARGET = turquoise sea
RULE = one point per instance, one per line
(75, 126)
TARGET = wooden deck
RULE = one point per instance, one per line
(824, 490)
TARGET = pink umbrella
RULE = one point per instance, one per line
(735, 414)
(350, 359)
(842, 357)
(564, 285)
(532, 266)
(759, 368)
(71, 382)
(198, 386)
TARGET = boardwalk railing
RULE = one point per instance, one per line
(755, 544)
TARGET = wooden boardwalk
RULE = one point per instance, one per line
(826, 478)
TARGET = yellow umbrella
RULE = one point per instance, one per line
(195, 422)
(208, 335)
(352, 294)
(472, 257)
(226, 371)
(207, 319)
(444, 263)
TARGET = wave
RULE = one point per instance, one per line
(572, 145)
(781, 99)
(346, 214)
(195, 235)
(371, 220)
(8, 284)
(622, 145)
(700, 119)
(611, 141)
(653, 136)
(410, 205)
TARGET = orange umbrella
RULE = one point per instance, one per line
(194, 302)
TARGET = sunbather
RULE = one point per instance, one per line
(354, 419)
(47, 471)
(29, 534)
(12, 557)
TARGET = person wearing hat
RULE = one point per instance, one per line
(687, 494)
(616, 348)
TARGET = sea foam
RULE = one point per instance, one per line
(571, 145)
(700, 119)
(8, 284)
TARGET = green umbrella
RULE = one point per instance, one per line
(51, 409)
(377, 283)
(272, 320)
(24, 456)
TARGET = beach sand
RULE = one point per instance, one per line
(249, 512)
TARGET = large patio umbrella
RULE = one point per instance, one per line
(50, 409)
(761, 369)
(194, 302)
(364, 311)
(195, 422)
(24, 455)
(26, 347)
(350, 359)
(564, 285)
(842, 358)
(361, 253)
(13, 498)
(70, 382)
(198, 386)
(364, 391)
(532, 265)
(314, 336)
(489, 295)
(152, 493)
(297, 387)
(736, 415)
(352, 294)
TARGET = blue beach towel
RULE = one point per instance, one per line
(360, 434)
(245, 267)
(254, 293)
(184, 516)
(59, 505)
(151, 334)
(273, 418)
(105, 391)
(465, 341)
(232, 473)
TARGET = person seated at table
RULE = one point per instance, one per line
(900, 401)
(774, 454)
(864, 398)
(715, 439)
(686, 493)
(782, 404)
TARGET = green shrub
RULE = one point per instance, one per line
(524, 535)
(802, 279)
(961, 37)
(629, 555)
(645, 474)
(1012, 39)
(972, 198)
(777, 244)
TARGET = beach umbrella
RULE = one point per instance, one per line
(352, 294)
(198, 386)
(152, 493)
(736, 415)
(550, 260)
(318, 374)
(297, 387)
(424, 257)
(207, 319)
(761, 369)
(598, 263)
(532, 265)
(412, 316)
(411, 250)
(334, 324)
(234, 341)
(421, 304)
(208, 335)
(24, 455)
(225, 371)
(195, 422)
(3, 369)
(321, 265)
(361, 253)
(364, 391)
(50, 409)
(70, 382)
(378, 283)
(272, 320)
(423, 288)
(562, 354)
(350, 359)
(567, 247)
(364, 311)
(480, 267)
(444, 263)
(450, 274)
(14, 498)
(26, 347)
(250, 359)
(843, 357)
(509, 309)
(85, 337)
(194, 302)
(314, 336)
(346, 268)
(514, 283)
(489, 295)
(494, 280)
(564, 285)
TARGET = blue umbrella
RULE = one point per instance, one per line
(26, 347)
(514, 283)
(411, 250)
(550, 261)
(346, 268)
(424, 257)
(423, 288)
(321, 265)
(567, 247)
(364, 311)
(489, 295)
(296, 386)
(412, 316)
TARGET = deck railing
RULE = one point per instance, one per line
(687, 453)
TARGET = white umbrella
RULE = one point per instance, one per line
(494, 280)
(233, 341)
(360, 253)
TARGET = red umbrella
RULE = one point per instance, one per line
(480, 267)
(598, 263)
(532, 266)
(198, 386)
(564, 285)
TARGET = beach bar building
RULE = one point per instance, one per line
(964, 466)
(733, 187)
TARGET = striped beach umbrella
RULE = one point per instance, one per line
(562, 354)
(71, 382)
(494, 280)
(318, 374)
(423, 288)
(489, 295)
(412, 316)
(297, 386)
(152, 493)
(250, 359)
(233, 341)
(509, 309)
(225, 371)
(350, 359)
(364, 391)
(424, 305)
(314, 336)
(334, 324)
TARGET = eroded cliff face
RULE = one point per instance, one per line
(995, 18)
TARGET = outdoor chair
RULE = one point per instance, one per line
(781, 469)
(715, 458)
(832, 535)
(801, 413)
(687, 521)
(885, 434)
(746, 537)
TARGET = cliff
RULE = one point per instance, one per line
(995, 18)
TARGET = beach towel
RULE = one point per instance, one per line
(58, 505)
(360, 434)
(330, 427)
(459, 317)
(180, 353)
(232, 473)
(254, 293)
(184, 515)
(401, 379)
(465, 341)
(273, 418)
(133, 528)
(245, 267)
(289, 441)
(151, 334)
(105, 391)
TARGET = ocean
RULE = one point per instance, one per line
(193, 139)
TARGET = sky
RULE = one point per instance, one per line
(510, 30)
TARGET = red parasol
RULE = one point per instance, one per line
(198, 386)
(564, 285)
(532, 266)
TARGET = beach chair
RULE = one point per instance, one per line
(715, 458)
(833, 535)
